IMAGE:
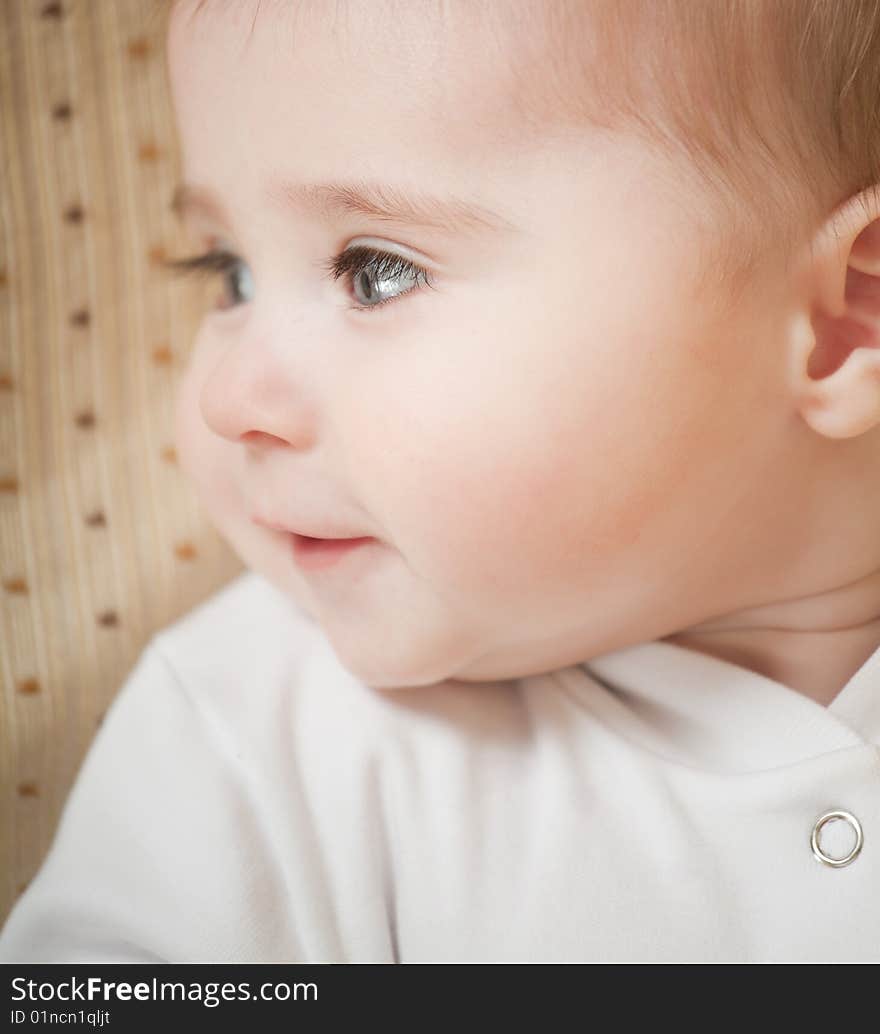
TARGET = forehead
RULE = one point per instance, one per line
(413, 81)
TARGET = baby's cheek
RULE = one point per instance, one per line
(512, 510)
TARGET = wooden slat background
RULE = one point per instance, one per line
(101, 539)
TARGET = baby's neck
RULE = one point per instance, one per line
(814, 644)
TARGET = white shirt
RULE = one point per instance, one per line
(246, 799)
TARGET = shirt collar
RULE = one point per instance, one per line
(701, 710)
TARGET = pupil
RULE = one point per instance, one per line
(239, 282)
(365, 286)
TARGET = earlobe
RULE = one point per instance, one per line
(837, 349)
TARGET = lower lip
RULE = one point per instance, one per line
(315, 554)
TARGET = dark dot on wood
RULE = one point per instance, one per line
(108, 619)
(185, 551)
(3, 280)
(99, 719)
(62, 111)
(28, 790)
(28, 687)
(74, 214)
(169, 454)
(81, 318)
(157, 254)
(16, 585)
(139, 48)
(6, 383)
(148, 152)
(162, 355)
(54, 10)
(96, 519)
(85, 419)
(8, 483)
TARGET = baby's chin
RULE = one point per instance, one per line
(397, 662)
(403, 640)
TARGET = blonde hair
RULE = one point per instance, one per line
(775, 104)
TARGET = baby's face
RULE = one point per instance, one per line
(562, 446)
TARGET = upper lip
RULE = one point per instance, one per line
(313, 533)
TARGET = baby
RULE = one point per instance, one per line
(540, 397)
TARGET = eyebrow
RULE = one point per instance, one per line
(359, 197)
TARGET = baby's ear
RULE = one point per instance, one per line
(837, 349)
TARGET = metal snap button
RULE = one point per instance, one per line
(831, 816)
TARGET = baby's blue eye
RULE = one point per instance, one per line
(237, 278)
(238, 283)
(372, 275)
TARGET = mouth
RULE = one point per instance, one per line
(314, 553)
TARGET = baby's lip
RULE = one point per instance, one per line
(327, 531)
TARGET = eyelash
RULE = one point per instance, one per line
(352, 261)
